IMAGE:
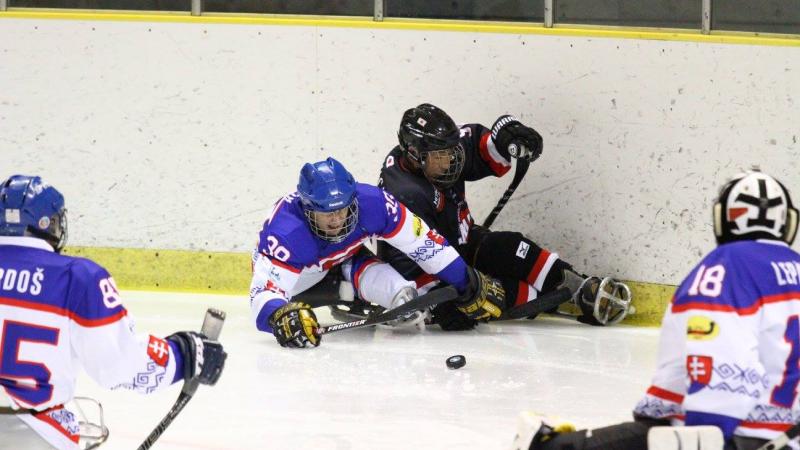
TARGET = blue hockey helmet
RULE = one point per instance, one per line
(328, 195)
(31, 207)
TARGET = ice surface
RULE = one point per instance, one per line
(381, 389)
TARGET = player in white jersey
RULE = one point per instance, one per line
(730, 339)
(60, 313)
(324, 225)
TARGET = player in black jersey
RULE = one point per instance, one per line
(428, 171)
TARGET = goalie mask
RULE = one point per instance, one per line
(328, 195)
(754, 206)
(31, 207)
(430, 138)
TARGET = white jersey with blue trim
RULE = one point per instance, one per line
(58, 314)
(729, 353)
(290, 258)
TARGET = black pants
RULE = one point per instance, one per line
(626, 436)
(512, 258)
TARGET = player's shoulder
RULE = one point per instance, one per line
(369, 193)
(734, 277)
(748, 255)
(391, 161)
(287, 236)
(410, 189)
(82, 267)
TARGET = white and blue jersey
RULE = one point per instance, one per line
(58, 314)
(290, 258)
(729, 353)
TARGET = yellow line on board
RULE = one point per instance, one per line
(682, 35)
(200, 272)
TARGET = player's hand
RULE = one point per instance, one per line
(518, 140)
(485, 297)
(202, 357)
(295, 325)
(449, 318)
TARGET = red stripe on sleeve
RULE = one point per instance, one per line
(537, 266)
(497, 167)
(665, 394)
(285, 266)
(522, 294)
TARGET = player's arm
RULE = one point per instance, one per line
(275, 273)
(490, 152)
(482, 296)
(106, 344)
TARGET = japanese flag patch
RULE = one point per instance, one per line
(699, 368)
(158, 351)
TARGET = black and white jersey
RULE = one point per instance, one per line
(445, 210)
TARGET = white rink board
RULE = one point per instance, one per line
(181, 136)
(382, 389)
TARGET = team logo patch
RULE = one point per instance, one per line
(44, 222)
(13, 216)
(701, 328)
(417, 226)
(272, 287)
(522, 250)
(699, 368)
(438, 200)
(158, 351)
(436, 237)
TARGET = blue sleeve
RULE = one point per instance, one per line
(262, 322)
(455, 274)
(725, 423)
(176, 353)
(93, 296)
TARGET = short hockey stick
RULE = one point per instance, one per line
(539, 305)
(519, 174)
(782, 440)
(428, 300)
(212, 326)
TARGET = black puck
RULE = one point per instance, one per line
(456, 361)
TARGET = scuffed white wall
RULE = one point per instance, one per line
(183, 135)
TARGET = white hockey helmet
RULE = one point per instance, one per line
(754, 205)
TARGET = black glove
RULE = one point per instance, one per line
(295, 325)
(202, 357)
(485, 297)
(518, 140)
(449, 318)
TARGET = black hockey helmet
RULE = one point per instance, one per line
(427, 131)
(754, 205)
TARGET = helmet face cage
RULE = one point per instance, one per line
(347, 226)
(433, 163)
(429, 137)
(754, 206)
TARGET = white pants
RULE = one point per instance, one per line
(15, 435)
